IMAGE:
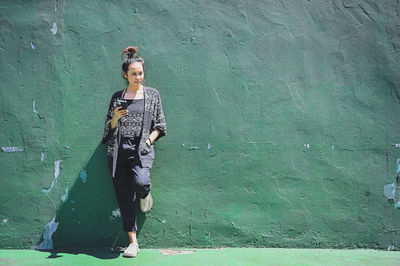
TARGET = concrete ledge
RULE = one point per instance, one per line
(219, 256)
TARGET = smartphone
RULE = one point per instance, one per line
(122, 103)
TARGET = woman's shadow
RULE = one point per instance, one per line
(89, 222)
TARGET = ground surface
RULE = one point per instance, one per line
(222, 256)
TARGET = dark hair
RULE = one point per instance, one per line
(129, 56)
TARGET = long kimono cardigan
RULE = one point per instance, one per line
(153, 118)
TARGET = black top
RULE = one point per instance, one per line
(131, 125)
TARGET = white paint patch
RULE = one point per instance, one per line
(57, 168)
(47, 190)
(397, 145)
(307, 146)
(34, 107)
(333, 147)
(115, 214)
(47, 243)
(56, 173)
(4, 221)
(33, 45)
(64, 197)
(389, 191)
(54, 29)
(398, 167)
(12, 149)
(167, 252)
(192, 148)
(83, 175)
(42, 157)
(209, 146)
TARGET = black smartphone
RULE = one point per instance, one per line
(122, 103)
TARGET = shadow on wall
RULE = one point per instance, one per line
(90, 216)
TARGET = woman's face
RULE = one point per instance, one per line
(135, 73)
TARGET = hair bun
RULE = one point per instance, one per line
(129, 51)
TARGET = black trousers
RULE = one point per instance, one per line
(131, 182)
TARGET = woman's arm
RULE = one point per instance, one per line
(113, 115)
(108, 131)
(160, 124)
(117, 116)
(154, 135)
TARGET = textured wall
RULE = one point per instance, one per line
(282, 121)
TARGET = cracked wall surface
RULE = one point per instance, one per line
(283, 126)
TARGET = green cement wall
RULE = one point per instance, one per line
(282, 119)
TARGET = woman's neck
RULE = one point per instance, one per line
(134, 88)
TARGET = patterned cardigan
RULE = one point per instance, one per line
(153, 118)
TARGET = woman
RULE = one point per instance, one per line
(131, 133)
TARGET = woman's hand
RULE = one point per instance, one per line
(118, 113)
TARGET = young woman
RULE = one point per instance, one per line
(135, 119)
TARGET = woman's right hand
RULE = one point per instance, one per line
(118, 113)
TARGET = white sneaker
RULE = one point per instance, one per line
(131, 251)
(146, 203)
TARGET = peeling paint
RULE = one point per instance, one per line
(42, 157)
(54, 29)
(389, 190)
(193, 148)
(56, 173)
(167, 252)
(57, 168)
(209, 146)
(48, 189)
(34, 107)
(12, 149)
(83, 175)
(397, 145)
(4, 221)
(33, 45)
(115, 214)
(391, 248)
(307, 146)
(333, 147)
(64, 197)
(47, 243)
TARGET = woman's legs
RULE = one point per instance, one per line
(131, 182)
(132, 237)
(141, 180)
(126, 197)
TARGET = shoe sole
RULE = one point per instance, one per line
(128, 256)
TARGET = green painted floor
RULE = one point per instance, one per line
(222, 256)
